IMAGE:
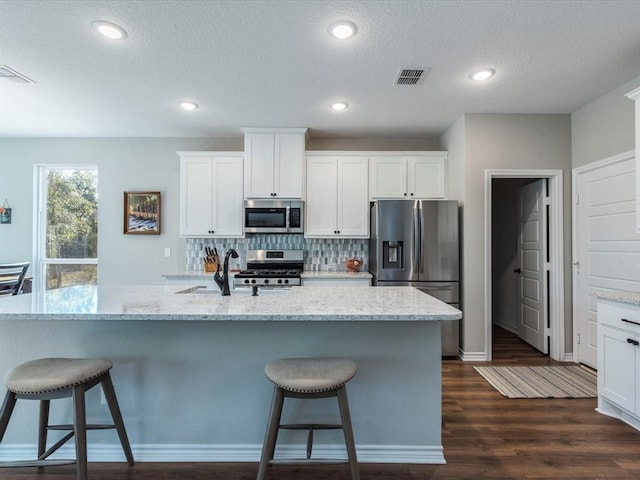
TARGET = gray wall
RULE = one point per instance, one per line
(503, 142)
(604, 127)
(123, 164)
(126, 164)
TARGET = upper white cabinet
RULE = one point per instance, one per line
(211, 201)
(635, 95)
(337, 197)
(274, 162)
(412, 176)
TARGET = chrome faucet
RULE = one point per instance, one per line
(223, 280)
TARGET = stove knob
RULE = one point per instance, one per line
(253, 281)
(246, 280)
(279, 280)
(266, 280)
(286, 281)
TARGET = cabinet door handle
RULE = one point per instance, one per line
(629, 321)
(633, 342)
(629, 340)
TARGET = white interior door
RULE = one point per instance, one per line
(532, 252)
(607, 248)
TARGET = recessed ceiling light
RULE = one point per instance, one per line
(339, 106)
(342, 29)
(482, 74)
(109, 30)
(189, 106)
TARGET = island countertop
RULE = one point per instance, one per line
(164, 303)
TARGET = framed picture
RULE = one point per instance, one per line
(142, 213)
(5, 215)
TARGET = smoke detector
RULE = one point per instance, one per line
(11, 75)
(411, 76)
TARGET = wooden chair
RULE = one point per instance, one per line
(12, 277)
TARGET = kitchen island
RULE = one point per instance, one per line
(188, 367)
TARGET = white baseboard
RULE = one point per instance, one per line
(473, 356)
(569, 357)
(233, 453)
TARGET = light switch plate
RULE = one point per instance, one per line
(167, 252)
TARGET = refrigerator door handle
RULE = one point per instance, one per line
(421, 236)
(417, 249)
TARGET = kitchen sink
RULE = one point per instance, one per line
(237, 291)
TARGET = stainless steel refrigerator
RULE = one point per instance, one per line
(415, 243)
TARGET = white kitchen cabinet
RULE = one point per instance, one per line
(274, 163)
(619, 361)
(635, 95)
(415, 176)
(337, 197)
(211, 200)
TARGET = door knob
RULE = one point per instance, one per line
(517, 270)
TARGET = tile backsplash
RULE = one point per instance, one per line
(320, 254)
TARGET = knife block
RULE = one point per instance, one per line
(210, 267)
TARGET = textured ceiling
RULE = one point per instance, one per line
(272, 64)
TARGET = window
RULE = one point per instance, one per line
(67, 226)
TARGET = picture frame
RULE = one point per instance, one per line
(142, 213)
(5, 215)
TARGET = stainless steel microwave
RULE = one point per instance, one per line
(273, 216)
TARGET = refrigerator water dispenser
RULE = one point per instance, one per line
(392, 254)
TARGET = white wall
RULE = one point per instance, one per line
(604, 127)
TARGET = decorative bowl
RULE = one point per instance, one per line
(353, 264)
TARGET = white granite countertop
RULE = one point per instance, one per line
(632, 298)
(162, 303)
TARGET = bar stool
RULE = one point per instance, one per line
(47, 379)
(309, 378)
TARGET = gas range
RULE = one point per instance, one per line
(271, 268)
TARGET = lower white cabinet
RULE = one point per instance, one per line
(337, 197)
(619, 361)
(211, 199)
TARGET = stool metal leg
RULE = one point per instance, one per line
(80, 431)
(343, 404)
(114, 408)
(7, 409)
(271, 435)
(43, 423)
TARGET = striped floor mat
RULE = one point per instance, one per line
(572, 381)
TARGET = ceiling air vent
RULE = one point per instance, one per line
(411, 76)
(11, 75)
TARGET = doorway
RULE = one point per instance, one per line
(519, 255)
(499, 233)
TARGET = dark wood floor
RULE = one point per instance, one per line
(485, 436)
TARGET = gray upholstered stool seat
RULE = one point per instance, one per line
(46, 379)
(308, 375)
(51, 374)
(309, 378)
